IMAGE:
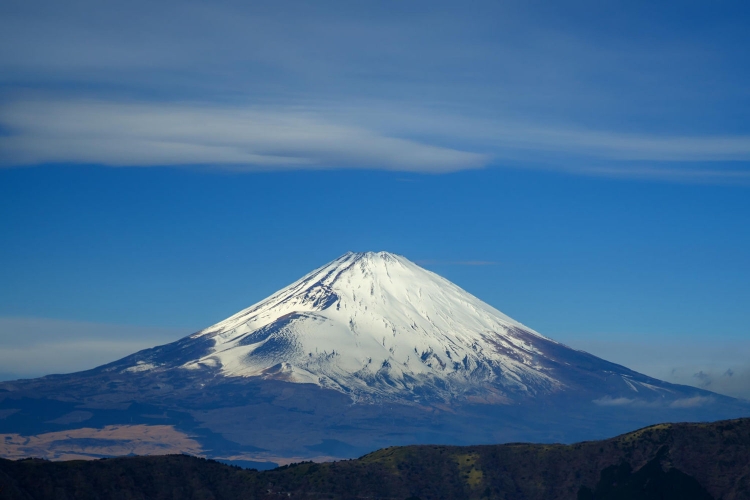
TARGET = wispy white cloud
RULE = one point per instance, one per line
(433, 262)
(692, 402)
(425, 87)
(715, 363)
(516, 134)
(32, 347)
(137, 134)
(610, 401)
(683, 173)
(732, 379)
(117, 133)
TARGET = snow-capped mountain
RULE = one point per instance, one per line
(367, 351)
(376, 326)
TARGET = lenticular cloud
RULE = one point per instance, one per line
(136, 134)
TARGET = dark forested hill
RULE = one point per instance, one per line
(670, 461)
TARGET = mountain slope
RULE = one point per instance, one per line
(367, 351)
(376, 326)
(665, 462)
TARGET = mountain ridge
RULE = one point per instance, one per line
(663, 462)
(367, 351)
(376, 326)
(363, 310)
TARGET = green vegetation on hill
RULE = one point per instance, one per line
(665, 462)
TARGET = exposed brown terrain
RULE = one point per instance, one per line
(665, 462)
(88, 443)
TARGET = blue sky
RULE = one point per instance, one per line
(582, 166)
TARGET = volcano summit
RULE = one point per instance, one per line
(367, 351)
(377, 327)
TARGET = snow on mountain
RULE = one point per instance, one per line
(378, 325)
(430, 363)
